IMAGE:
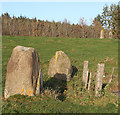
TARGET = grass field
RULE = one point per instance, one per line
(74, 99)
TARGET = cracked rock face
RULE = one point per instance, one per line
(60, 66)
(24, 74)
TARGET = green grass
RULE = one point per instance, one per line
(74, 99)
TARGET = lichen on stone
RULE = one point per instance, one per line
(57, 55)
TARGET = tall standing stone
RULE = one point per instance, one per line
(102, 34)
(85, 73)
(99, 77)
(60, 66)
(90, 77)
(24, 74)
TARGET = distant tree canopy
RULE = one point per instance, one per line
(110, 19)
(22, 26)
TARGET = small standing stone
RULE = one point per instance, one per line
(110, 35)
(60, 66)
(110, 79)
(102, 34)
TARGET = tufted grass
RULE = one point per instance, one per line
(73, 99)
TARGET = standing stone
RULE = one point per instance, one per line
(90, 77)
(99, 77)
(85, 73)
(110, 35)
(101, 34)
(60, 66)
(24, 74)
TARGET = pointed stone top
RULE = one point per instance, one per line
(57, 54)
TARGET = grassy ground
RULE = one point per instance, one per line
(73, 99)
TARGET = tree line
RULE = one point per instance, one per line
(110, 19)
(22, 26)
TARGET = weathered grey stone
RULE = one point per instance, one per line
(24, 74)
(99, 77)
(85, 73)
(60, 66)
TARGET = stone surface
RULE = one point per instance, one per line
(110, 35)
(99, 78)
(102, 34)
(60, 66)
(85, 73)
(24, 74)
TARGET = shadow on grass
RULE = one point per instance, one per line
(103, 86)
(58, 84)
(75, 70)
